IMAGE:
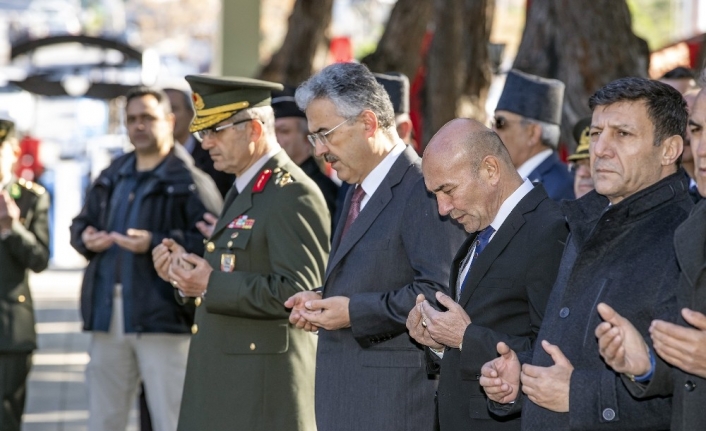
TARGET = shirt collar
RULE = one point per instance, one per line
(510, 204)
(371, 183)
(243, 180)
(531, 164)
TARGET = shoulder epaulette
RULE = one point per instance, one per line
(31, 186)
(282, 177)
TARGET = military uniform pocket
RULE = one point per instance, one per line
(257, 340)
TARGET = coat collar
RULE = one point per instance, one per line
(689, 244)
(543, 168)
(480, 266)
(377, 202)
(243, 201)
(583, 214)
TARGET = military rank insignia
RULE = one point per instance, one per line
(262, 181)
(241, 222)
(282, 177)
(227, 262)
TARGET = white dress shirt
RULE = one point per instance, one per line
(375, 177)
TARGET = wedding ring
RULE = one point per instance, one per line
(424, 323)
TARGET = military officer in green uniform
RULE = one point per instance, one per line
(248, 368)
(24, 245)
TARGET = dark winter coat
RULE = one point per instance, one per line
(169, 208)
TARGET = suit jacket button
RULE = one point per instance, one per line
(21, 298)
(689, 386)
(252, 346)
(197, 301)
(609, 414)
(194, 328)
(564, 312)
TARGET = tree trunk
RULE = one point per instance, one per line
(458, 71)
(478, 23)
(585, 44)
(398, 48)
(444, 66)
(308, 23)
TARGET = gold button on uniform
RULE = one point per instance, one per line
(197, 301)
(252, 346)
(230, 244)
(194, 328)
(210, 247)
(21, 298)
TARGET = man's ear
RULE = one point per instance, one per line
(404, 129)
(370, 122)
(256, 130)
(490, 169)
(672, 149)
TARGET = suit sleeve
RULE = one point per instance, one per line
(539, 276)
(30, 245)
(298, 243)
(430, 243)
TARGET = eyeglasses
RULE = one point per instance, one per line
(213, 131)
(500, 122)
(320, 138)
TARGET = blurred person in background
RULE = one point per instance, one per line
(527, 118)
(580, 160)
(396, 85)
(687, 158)
(139, 331)
(291, 130)
(24, 246)
(183, 111)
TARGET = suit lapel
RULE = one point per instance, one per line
(502, 238)
(373, 208)
(344, 214)
(243, 201)
(456, 264)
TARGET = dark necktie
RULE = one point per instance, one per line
(482, 239)
(354, 210)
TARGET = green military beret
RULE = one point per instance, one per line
(218, 98)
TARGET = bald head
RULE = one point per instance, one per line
(470, 171)
(469, 142)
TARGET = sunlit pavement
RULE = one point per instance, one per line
(56, 395)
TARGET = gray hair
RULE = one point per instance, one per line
(550, 133)
(352, 88)
(265, 114)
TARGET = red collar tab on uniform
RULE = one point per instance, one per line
(262, 181)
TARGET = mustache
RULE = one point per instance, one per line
(329, 158)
